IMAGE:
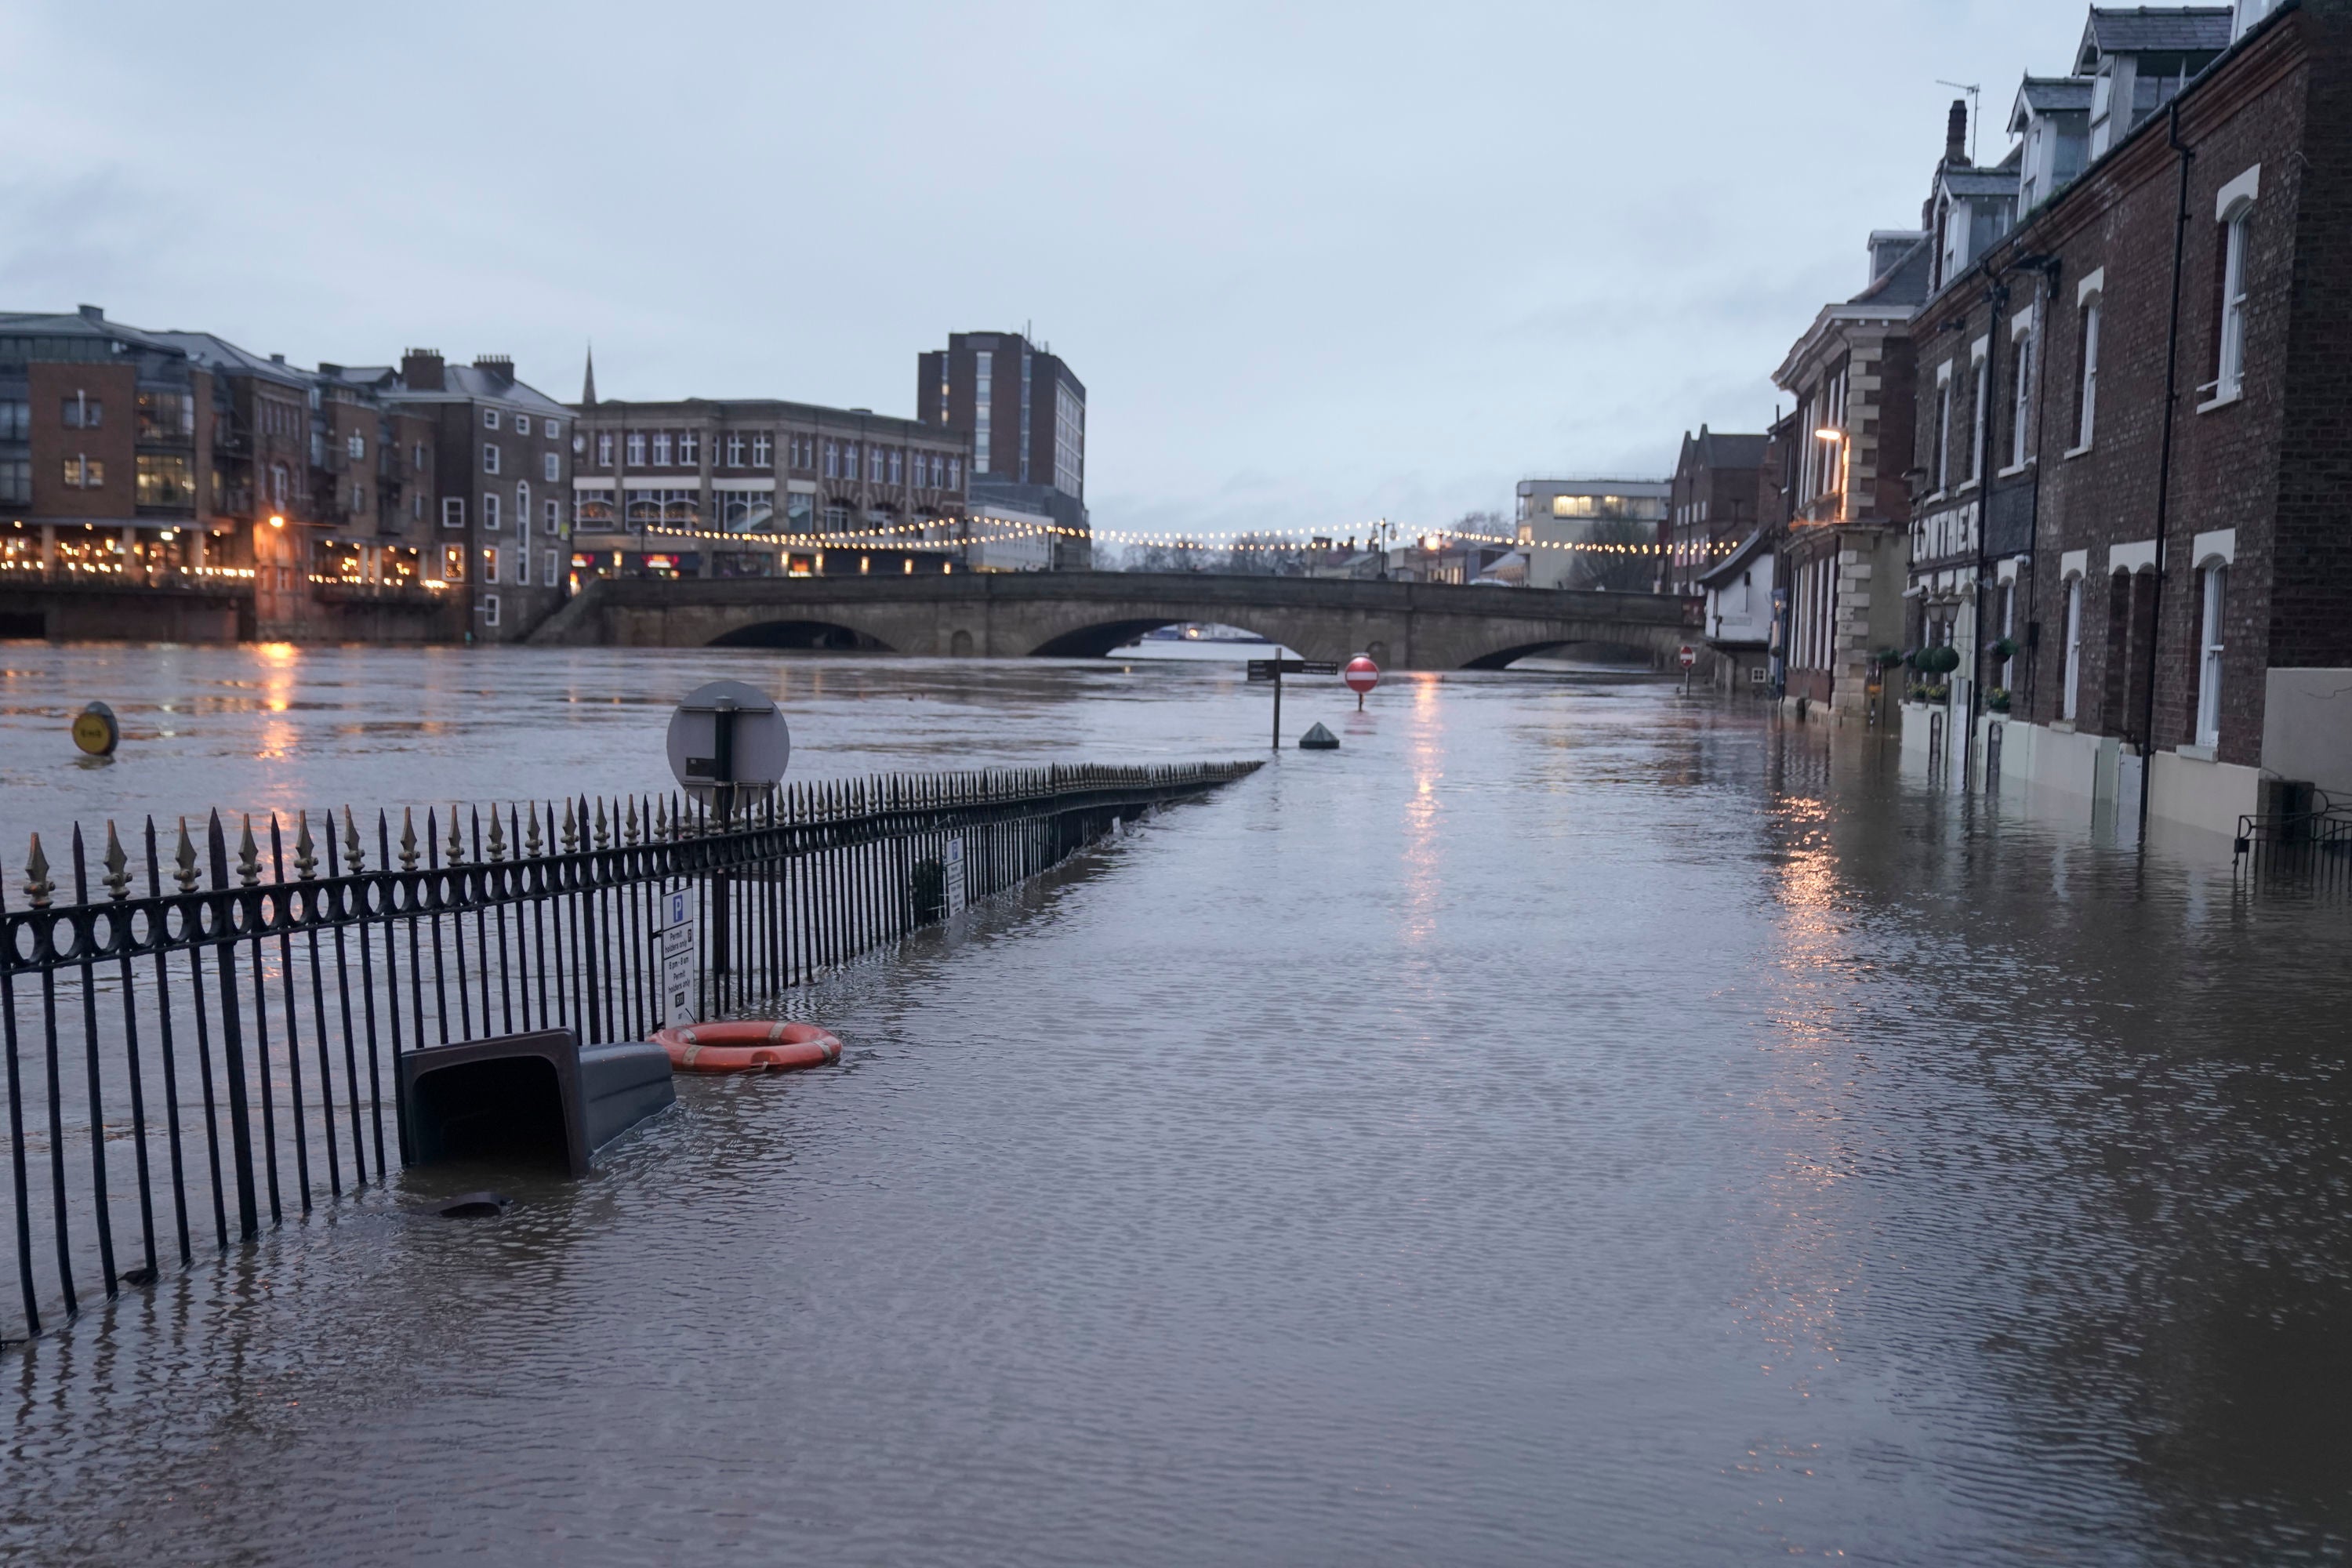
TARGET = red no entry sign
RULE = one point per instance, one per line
(1690, 656)
(1361, 675)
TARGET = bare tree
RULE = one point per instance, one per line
(1625, 560)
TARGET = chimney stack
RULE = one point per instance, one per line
(421, 370)
(499, 367)
(92, 314)
(1956, 133)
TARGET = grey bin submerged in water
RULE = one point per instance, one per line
(543, 1094)
(1318, 739)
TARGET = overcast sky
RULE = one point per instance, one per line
(1314, 263)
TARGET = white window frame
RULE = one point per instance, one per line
(661, 449)
(2214, 584)
(490, 563)
(1943, 426)
(555, 429)
(2022, 341)
(453, 512)
(2230, 373)
(356, 447)
(2072, 680)
(689, 447)
(489, 456)
(547, 561)
(1979, 409)
(550, 467)
(490, 606)
(522, 507)
(2087, 409)
(763, 451)
(552, 516)
(636, 448)
(489, 418)
(604, 448)
(489, 509)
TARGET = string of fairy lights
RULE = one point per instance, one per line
(905, 536)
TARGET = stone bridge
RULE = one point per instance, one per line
(1403, 625)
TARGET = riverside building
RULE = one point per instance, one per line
(1848, 449)
(1592, 534)
(1025, 413)
(499, 456)
(2130, 526)
(172, 484)
(761, 487)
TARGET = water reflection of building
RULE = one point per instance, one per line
(761, 487)
(1592, 534)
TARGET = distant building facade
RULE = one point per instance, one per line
(499, 455)
(1023, 411)
(172, 459)
(761, 487)
(1715, 502)
(1592, 534)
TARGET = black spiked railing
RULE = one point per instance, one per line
(217, 1032)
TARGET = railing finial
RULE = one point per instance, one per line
(184, 860)
(306, 848)
(248, 856)
(498, 839)
(531, 844)
(571, 829)
(355, 852)
(408, 838)
(117, 873)
(37, 886)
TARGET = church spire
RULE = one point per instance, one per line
(588, 390)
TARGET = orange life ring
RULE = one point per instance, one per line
(750, 1046)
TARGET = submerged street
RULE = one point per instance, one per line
(1568, 1123)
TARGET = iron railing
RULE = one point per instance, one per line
(203, 1041)
(2297, 848)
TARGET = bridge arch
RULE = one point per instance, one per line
(1097, 640)
(1625, 652)
(829, 637)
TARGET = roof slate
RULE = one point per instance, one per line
(1906, 282)
(2155, 30)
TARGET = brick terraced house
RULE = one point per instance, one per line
(2133, 463)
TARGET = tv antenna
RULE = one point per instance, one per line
(1975, 91)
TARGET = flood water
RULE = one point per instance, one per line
(1568, 1124)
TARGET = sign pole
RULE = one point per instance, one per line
(1277, 699)
(723, 886)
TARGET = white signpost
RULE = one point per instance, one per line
(677, 957)
(729, 746)
(953, 866)
(1689, 655)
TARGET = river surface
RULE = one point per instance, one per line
(1569, 1124)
